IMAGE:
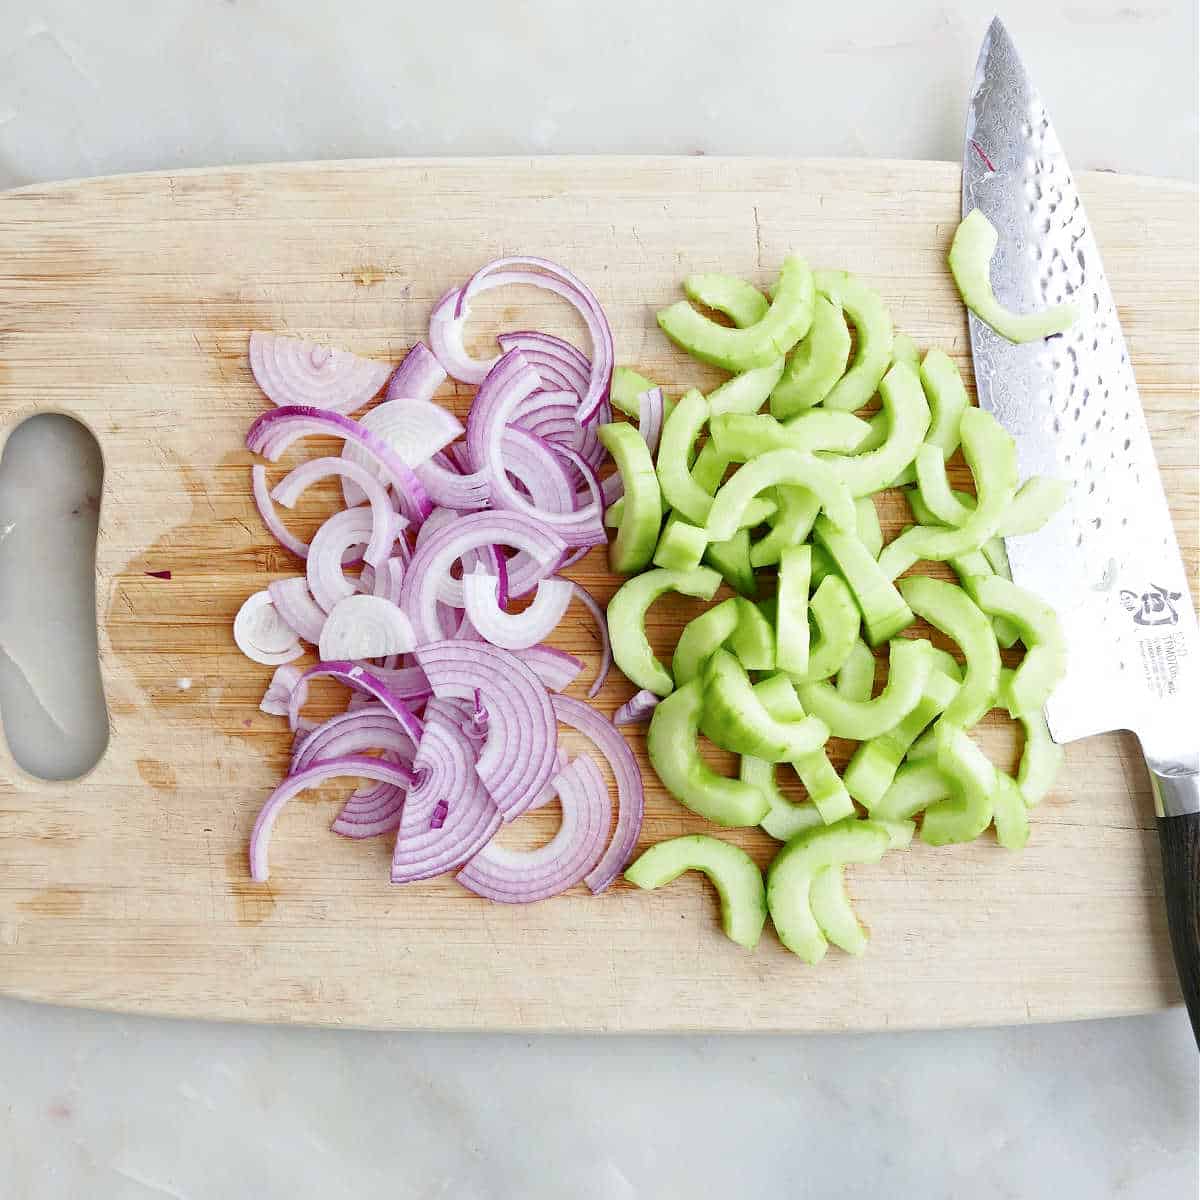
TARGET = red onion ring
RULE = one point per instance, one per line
(365, 681)
(295, 372)
(556, 669)
(593, 606)
(417, 377)
(636, 709)
(295, 605)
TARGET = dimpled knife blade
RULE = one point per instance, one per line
(1109, 562)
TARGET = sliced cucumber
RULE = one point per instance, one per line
(641, 504)
(816, 364)
(873, 334)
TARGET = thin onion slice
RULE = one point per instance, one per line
(277, 698)
(517, 758)
(371, 727)
(365, 681)
(359, 765)
(630, 795)
(636, 709)
(296, 607)
(291, 371)
(522, 877)
(448, 815)
(593, 606)
(270, 518)
(365, 627)
(417, 377)
(514, 631)
(326, 579)
(650, 417)
(261, 633)
(554, 667)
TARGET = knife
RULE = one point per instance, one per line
(1109, 561)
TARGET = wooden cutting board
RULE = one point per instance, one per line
(127, 303)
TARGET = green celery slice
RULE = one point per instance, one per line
(816, 364)
(641, 505)
(735, 718)
(951, 610)
(738, 881)
(971, 265)
(786, 321)
(702, 637)
(673, 753)
(883, 608)
(790, 878)
(627, 621)
(873, 334)
(791, 619)
(864, 719)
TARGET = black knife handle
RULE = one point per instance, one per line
(1179, 838)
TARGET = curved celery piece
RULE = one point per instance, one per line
(971, 265)
(917, 786)
(816, 363)
(792, 467)
(626, 389)
(837, 619)
(907, 417)
(732, 559)
(1045, 661)
(785, 322)
(856, 678)
(736, 719)
(790, 878)
(1010, 813)
(739, 437)
(730, 869)
(740, 301)
(784, 818)
(947, 400)
(951, 610)
(823, 784)
(904, 350)
(641, 505)
(678, 438)
(883, 608)
(992, 456)
(701, 638)
(747, 392)
(872, 768)
(873, 333)
(867, 525)
(934, 487)
(791, 617)
(673, 753)
(681, 546)
(627, 621)
(969, 810)
(833, 912)
(864, 719)
(753, 638)
(791, 524)
(1041, 756)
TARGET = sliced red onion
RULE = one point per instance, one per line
(274, 432)
(514, 631)
(522, 877)
(369, 814)
(371, 727)
(636, 709)
(594, 501)
(277, 698)
(262, 635)
(405, 683)
(415, 429)
(557, 362)
(450, 487)
(428, 579)
(650, 417)
(365, 627)
(326, 579)
(358, 765)
(555, 668)
(548, 794)
(593, 606)
(365, 681)
(386, 524)
(517, 758)
(417, 377)
(295, 372)
(450, 316)
(270, 518)
(296, 607)
(448, 815)
(630, 796)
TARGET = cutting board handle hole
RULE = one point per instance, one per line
(51, 698)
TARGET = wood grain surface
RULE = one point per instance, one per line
(126, 302)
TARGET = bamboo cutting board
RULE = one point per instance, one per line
(127, 302)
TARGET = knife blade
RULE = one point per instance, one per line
(1109, 561)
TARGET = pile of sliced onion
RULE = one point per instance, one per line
(406, 591)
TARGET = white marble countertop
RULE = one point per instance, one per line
(130, 1108)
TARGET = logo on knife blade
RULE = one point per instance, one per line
(1154, 607)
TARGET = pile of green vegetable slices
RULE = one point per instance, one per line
(778, 504)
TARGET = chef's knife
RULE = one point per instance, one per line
(1109, 562)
